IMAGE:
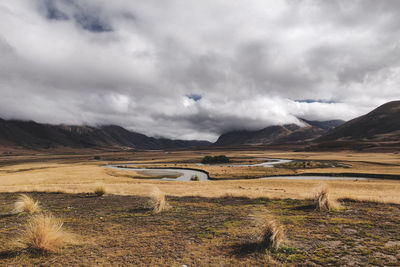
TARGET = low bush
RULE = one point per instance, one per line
(323, 201)
(215, 159)
(99, 190)
(194, 178)
(272, 234)
(44, 233)
(158, 202)
(27, 204)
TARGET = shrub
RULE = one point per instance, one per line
(44, 233)
(272, 234)
(158, 202)
(194, 178)
(25, 203)
(215, 159)
(323, 201)
(99, 190)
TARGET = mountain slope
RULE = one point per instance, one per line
(32, 135)
(381, 124)
(326, 125)
(278, 134)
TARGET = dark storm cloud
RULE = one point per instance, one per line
(92, 22)
(314, 101)
(85, 16)
(195, 69)
(53, 12)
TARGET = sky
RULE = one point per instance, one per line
(189, 69)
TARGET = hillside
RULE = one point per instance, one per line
(381, 124)
(278, 134)
(32, 135)
(377, 130)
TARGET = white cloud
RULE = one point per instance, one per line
(134, 63)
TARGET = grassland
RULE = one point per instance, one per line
(198, 231)
(209, 223)
(80, 174)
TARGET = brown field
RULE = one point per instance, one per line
(80, 173)
(121, 230)
(207, 223)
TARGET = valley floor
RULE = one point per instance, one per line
(81, 173)
(197, 231)
(211, 223)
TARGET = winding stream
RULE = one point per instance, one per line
(269, 164)
(186, 174)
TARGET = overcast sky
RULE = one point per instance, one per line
(193, 69)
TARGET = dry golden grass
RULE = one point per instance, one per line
(383, 191)
(44, 233)
(27, 204)
(238, 172)
(126, 174)
(100, 190)
(83, 176)
(324, 202)
(158, 201)
(272, 234)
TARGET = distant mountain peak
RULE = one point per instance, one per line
(278, 134)
(326, 125)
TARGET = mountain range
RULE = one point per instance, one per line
(32, 135)
(279, 134)
(379, 128)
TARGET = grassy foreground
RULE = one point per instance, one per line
(207, 232)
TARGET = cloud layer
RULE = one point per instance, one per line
(195, 69)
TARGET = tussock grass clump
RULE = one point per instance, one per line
(27, 204)
(157, 201)
(272, 234)
(44, 233)
(100, 190)
(323, 201)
